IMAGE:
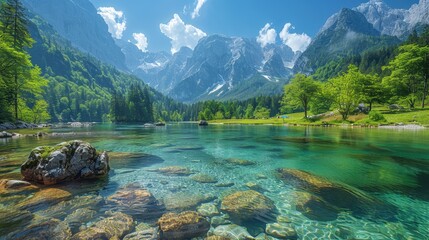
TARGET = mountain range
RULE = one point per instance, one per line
(224, 67)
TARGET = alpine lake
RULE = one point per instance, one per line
(245, 182)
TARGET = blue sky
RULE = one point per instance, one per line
(166, 25)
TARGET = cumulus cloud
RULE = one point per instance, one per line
(115, 20)
(141, 41)
(267, 35)
(199, 5)
(181, 34)
(297, 42)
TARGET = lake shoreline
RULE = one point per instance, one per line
(381, 126)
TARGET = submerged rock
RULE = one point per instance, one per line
(281, 231)
(65, 162)
(45, 198)
(12, 219)
(229, 184)
(174, 170)
(314, 207)
(239, 162)
(114, 227)
(8, 186)
(233, 232)
(208, 210)
(220, 220)
(249, 206)
(186, 201)
(338, 195)
(216, 238)
(148, 234)
(63, 208)
(255, 186)
(204, 178)
(46, 229)
(135, 201)
(184, 225)
(79, 217)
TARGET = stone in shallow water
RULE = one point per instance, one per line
(264, 236)
(216, 238)
(239, 162)
(12, 219)
(338, 195)
(314, 207)
(79, 217)
(116, 227)
(66, 161)
(62, 209)
(186, 201)
(249, 206)
(13, 185)
(255, 186)
(233, 232)
(281, 231)
(135, 201)
(184, 225)
(44, 229)
(148, 234)
(174, 170)
(230, 184)
(45, 198)
(208, 210)
(204, 178)
(220, 220)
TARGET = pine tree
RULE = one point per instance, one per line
(15, 33)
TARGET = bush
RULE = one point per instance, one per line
(376, 116)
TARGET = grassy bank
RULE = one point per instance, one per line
(417, 116)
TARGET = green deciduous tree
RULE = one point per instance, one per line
(300, 92)
(409, 74)
(345, 91)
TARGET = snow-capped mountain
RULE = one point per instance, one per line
(395, 22)
(220, 64)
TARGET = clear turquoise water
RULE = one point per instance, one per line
(391, 165)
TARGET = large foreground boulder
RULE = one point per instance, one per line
(65, 162)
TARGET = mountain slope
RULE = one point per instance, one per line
(78, 22)
(219, 65)
(80, 85)
(344, 34)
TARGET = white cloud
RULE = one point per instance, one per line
(114, 19)
(267, 35)
(181, 34)
(199, 5)
(297, 42)
(141, 40)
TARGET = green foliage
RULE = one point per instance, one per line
(136, 107)
(409, 74)
(344, 91)
(261, 113)
(376, 116)
(260, 108)
(300, 92)
(21, 85)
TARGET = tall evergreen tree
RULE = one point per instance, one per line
(21, 72)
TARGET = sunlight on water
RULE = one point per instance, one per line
(381, 175)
